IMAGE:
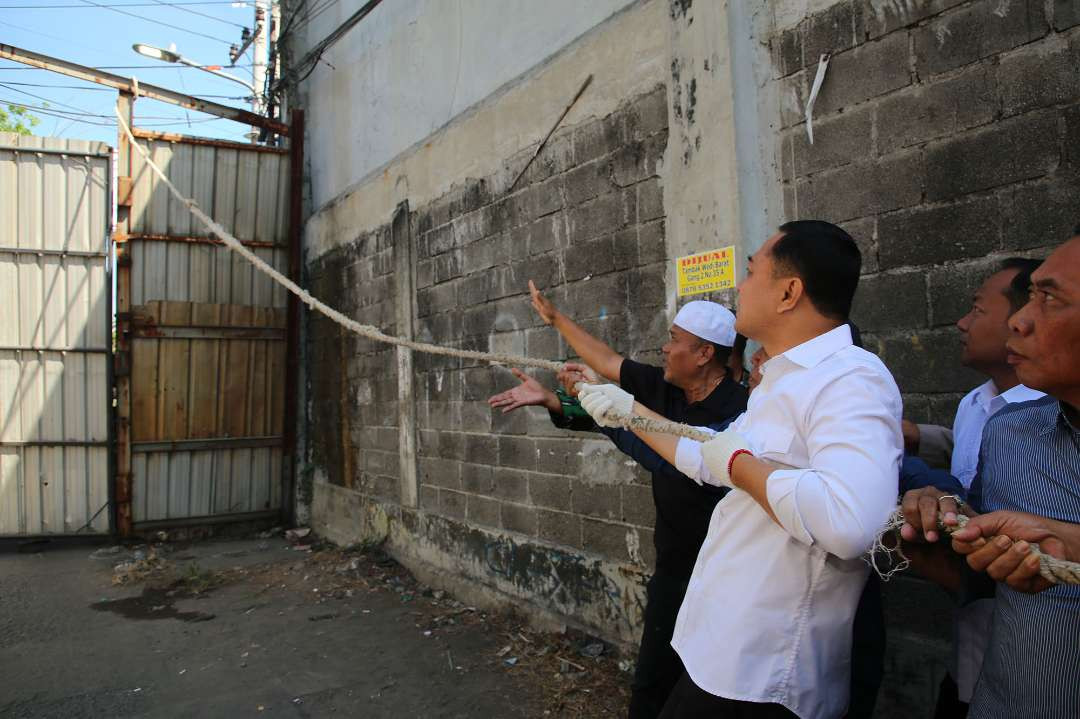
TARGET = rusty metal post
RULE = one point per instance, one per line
(122, 488)
(292, 337)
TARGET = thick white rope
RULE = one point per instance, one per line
(632, 422)
(1060, 570)
(1052, 569)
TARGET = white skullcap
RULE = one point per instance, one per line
(709, 321)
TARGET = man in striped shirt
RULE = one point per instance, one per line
(1030, 469)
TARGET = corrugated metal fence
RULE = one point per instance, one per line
(55, 347)
(207, 333)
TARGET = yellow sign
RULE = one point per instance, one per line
(706, 271)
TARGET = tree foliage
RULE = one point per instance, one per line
(17, 119)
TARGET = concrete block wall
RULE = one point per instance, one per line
(945, 140)
(586, 223)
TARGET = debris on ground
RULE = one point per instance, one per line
(144, 563)
(108, 553)
(295, 535)
(577, 674)
(592, 649)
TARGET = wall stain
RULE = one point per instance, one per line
(680, 8)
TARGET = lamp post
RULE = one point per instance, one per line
(157, 53)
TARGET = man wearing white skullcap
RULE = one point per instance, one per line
(693, 386)
(709, 321)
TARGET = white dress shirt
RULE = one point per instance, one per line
(768, 611)
(979, 405)
(973, 621)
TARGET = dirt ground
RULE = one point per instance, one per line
(265, 626)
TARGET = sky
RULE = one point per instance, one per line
(98, 33)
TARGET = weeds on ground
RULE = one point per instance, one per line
(196, 580)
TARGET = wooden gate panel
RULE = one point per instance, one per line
(208, 416)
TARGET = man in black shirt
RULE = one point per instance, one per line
(695, 387)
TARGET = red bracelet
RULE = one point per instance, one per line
(735, 454)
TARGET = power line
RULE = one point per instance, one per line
(67, 41)
(109, 6)
(196, 12)
(311, 15)
(79, 112)
(199, 121)
(39, 97)
(109, 89)
(57, 113)
(62, 87)
(315, 53)
(156, 22)
(128, 67)
(102, 120)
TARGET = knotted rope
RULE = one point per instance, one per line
(1067, 572)
(1052, 569)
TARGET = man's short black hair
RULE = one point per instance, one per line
(1020, 285)
(721, 353)
(826, 259)
(1076, 231)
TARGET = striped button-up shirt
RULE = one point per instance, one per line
(1030, 462)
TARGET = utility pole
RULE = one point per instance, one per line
(275, 56)
(258, 62)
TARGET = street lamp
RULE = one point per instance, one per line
(157, 53)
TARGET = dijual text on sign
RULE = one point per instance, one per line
(706, 271)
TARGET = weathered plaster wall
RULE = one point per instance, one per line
(392, 112)
(704, 213)
(586, 222)
(413, 65)
(589, 221)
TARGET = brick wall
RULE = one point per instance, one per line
(586, 222)
(945, 140)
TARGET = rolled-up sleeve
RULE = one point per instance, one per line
(690, 461)
(845, 497)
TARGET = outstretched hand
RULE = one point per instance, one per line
(543, 306)
(529, 393)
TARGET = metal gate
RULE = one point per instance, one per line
(203, 333)
(55, 348)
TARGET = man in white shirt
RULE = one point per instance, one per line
(984, 331)
(765, 628)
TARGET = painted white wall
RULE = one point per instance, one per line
(411, 66)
